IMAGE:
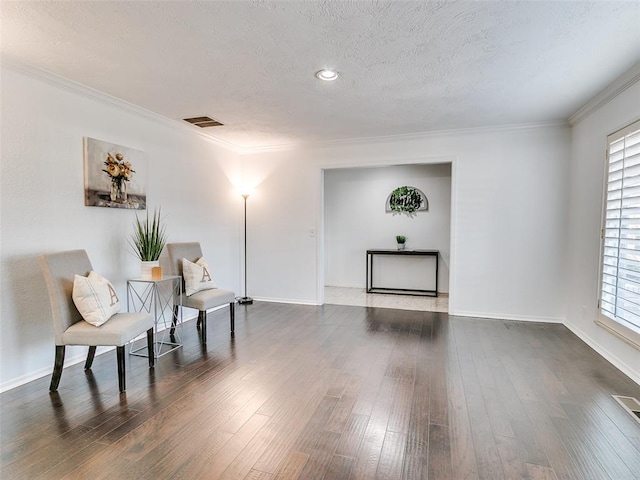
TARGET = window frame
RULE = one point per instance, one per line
(622, 329)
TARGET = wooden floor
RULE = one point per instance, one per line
(334, 392)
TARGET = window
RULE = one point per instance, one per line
(620, 280)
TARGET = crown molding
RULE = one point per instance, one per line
(627, 80)
(405, 136)
(94, 94)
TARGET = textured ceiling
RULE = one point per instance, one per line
(406, 67)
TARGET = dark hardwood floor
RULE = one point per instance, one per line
(334, 392)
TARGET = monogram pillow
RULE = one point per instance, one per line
(95, 298)
(197, 276)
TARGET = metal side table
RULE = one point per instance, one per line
(158, 297)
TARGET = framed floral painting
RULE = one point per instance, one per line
(114, 176)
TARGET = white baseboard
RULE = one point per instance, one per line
(286, 300)
(48, 370)
(633, 374)
(518, 318)
(73, 360)
(615, 361)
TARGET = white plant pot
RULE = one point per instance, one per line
(146, 269)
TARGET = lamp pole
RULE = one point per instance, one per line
(245, 300)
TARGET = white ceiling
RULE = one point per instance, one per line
(406, 66)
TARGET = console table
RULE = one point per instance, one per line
(402, 253)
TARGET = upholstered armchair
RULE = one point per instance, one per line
(71, 329)
(203, 300)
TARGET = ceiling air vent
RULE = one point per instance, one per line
(203, 122)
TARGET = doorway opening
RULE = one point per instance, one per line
(355, 220)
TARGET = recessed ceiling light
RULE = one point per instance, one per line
(327, 75)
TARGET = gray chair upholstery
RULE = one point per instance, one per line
(202, 301)
(69, 327)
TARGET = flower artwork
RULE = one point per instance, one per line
(120, 172)
(110, 177)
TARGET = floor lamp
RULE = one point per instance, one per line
(245, 300)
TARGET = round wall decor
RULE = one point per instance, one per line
(407, 200)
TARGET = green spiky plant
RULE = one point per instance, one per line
(401, 238)
(149, 237)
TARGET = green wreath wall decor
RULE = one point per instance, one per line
(407, 200)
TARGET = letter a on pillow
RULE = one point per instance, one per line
(197, 276)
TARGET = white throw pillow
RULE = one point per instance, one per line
(197, 276)
(95, 298)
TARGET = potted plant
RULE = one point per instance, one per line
(401, 239)
(148, 240)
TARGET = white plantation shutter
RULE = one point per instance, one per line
(620, 292)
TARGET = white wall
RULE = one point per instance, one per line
(509, 212)
(42, 204)
(355, 219)
(589, 141)
(282, 218)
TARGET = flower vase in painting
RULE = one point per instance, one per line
(118, 191)
(120, 172)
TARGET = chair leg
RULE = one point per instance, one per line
(202, 320)
(90, 355)
(150, 348)
(121, 373)
(57, 368)
(174, 319)
(232, 317)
